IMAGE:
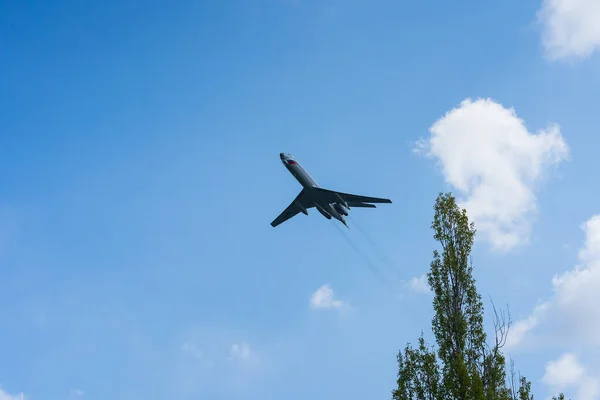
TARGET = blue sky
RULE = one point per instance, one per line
(140, 172)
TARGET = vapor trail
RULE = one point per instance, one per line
(397, 279)
(370, 264)
(373, 243)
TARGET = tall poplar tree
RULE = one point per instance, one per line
(461, 365)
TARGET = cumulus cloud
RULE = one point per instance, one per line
(569, 319)
(571, 315)
(576, 294)
(7, 396)
(324, 298)
(487, 154)
(567, 373)
(419, 284)
(570, 28)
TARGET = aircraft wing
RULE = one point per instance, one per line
(353, 204)
(293, 208)
(330, 196)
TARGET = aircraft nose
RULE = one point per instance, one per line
(281, 155)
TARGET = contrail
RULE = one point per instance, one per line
(365, 257)
(381, 253)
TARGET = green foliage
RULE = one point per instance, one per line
(419, 376)
(525, 390)
(458, 311)
(464, 367)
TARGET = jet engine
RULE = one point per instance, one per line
(340, 209)
(325, 214)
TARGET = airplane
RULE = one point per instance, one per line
(327, 202)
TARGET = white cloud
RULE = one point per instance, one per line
(487, 154)
(519, 331)
(420, 284)
(571, 315)
(240, 351)
(570, 319)
(568, 373)
(570, 28)
(324, 298)
(7, 396)
(577, 292)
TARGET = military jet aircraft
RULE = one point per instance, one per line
(328, 202)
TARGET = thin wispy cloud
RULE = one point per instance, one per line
(240, 351)
(519, 331)
(76, 393)
(4, 395)
(419, 284)
(192, 350)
